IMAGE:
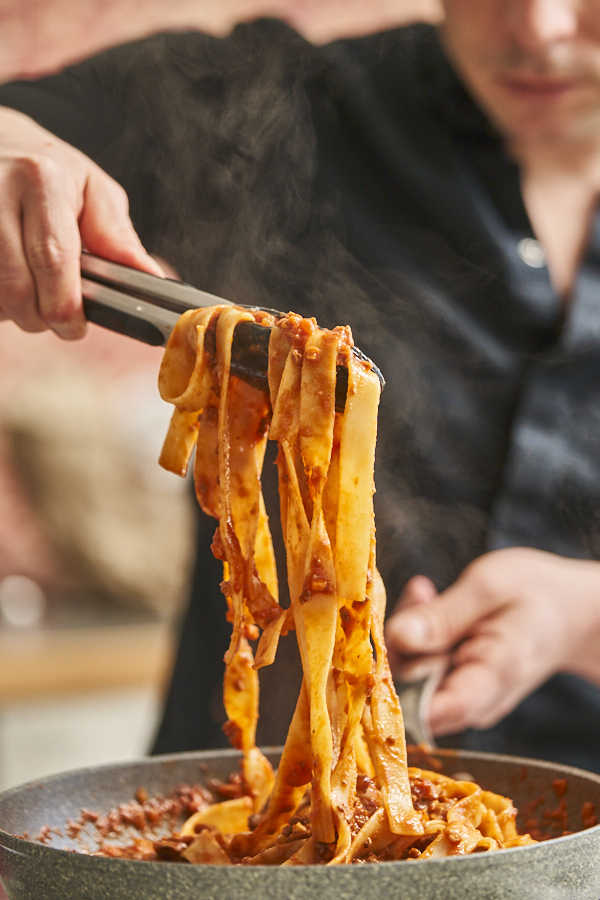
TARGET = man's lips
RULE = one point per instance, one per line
(535, 87)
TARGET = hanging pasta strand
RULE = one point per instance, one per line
(384, 729)
(183, 381)
(353, 656)
(248, 414)
(317, 603)
(293, 775)
(241, 439)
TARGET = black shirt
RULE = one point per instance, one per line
(360, 183)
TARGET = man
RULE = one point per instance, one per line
(535, 70)
(456, 231)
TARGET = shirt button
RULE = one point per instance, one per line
(531, 253)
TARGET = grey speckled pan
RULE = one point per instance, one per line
(567, 867)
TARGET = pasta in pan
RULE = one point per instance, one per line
(343, 792)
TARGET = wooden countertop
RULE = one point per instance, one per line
(74, 660)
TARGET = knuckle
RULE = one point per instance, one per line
(103, 185)
(34, 170)
(48, 256)
(488, 586)
(121, 195)
(500, 683)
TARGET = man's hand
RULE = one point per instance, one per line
(53, 198)
(513, 618)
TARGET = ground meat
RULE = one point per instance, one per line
(143, 813)
(231, 789)
(298, 827)
(170, 849)
(588, 815)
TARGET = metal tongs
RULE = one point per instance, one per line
(145, 307)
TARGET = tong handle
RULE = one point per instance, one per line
(121, 323)
(126, 315)
(144, 307)
(144, 321)
(164, 292)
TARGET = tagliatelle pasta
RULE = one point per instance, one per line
(343, 791)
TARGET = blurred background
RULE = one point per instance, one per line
(95, 546)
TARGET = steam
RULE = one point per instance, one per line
(230, 151)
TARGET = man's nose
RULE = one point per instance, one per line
(539, 23)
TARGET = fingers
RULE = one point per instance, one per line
(479, 688)
(40, 242)
(476, 694)
(17, 289)
(469, 623)
(106, 228)
(52, 248)
(52, 198)
(493, 670)
(470, 696)
(436, 626)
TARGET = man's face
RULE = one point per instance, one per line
(534, 65)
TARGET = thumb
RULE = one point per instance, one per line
(418, 589)
(436, 626)
(106, 228)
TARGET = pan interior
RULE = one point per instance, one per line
(536, 789)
